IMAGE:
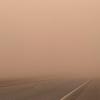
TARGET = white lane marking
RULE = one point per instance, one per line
(73, 91)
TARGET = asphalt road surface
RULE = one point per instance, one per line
(46, 89)
(91, 92)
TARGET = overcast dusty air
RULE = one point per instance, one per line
(49, 50)
(47, 37)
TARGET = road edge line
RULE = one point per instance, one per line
(74, 90)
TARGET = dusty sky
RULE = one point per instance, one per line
(40, 37)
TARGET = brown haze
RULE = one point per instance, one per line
(49, 37)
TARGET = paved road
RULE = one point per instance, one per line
(92, 92)
(52, 89)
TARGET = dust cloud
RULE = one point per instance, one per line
(49, 37)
